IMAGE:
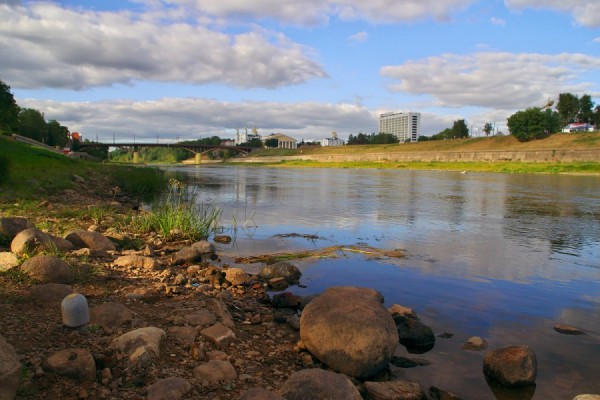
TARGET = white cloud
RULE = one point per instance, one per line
(313, 12)
(359, 37)
(50, 46)
(497, 21)
(597, 40)
(585, 12)
(189, 118)
(503, 81)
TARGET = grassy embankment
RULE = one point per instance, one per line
(45, 187)
(573, 141)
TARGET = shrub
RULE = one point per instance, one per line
(4, 168)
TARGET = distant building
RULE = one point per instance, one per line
(332, 141)
(579, 127)
(405, 126)
(245, 137)
(228, 142)
(283, 141)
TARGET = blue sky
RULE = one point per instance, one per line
(306, 68)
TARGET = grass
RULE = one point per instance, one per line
(176, 215)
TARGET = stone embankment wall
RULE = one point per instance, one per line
(452, 156)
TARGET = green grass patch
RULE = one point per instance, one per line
(177, 215)
(144, 183)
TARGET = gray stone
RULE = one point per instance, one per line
(203, 247)
(173, 388)
(215, 371)
(8, 260)
(140, 345)
(110, 315)
(76, 364)
(349, 330)
(136, 261)
(413, 333)
(284, 270)
(48, 269)
(392, 390)
(221, 311)
(74, 310)
(92, 240)
(50, 294)
(219, 334)
(260, 394)
(31, 240)
(185, 335)
(193, 252)
(318, 384)
(511, 365)
(10, 370)
(11, 226)
(200, 318)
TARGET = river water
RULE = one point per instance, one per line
(500, 256)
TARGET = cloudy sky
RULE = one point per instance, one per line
(195, 68)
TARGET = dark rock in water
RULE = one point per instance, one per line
(439, 394)
(348, 329)
(225, 239)
(474, 343)
(414, 334)
(446, 335)
(285, 300)
(278, 284)
(404, 362)
(392, 390)
(318, 384)
(568, 330)
(511, 365)
(285, 270)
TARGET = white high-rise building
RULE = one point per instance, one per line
(405, 126)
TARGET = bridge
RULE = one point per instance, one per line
(195, 148)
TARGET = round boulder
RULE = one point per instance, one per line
(284, 270)
(511, 365)
(48, 269)
(78, 364)
(92, 240)
(349, 330)
(11, 226)
(318, 384)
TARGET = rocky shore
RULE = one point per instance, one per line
(86, 316)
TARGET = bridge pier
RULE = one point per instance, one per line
(198, 159)
(136, 157)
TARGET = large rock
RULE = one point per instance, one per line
(11, 226)
(318, 384)
(91, 240)
(236, 276)
(511, 365)
(215, 371)
(140, 345)
(48, 269)
(587, 397)
(284, 270)
(349, 330)
(10, 370)
(34, 240)
(414, 334)
(8, 260)
(78, 364)
(392, 390)
(169, 389)
(194, 252)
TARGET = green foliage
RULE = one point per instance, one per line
(33, 125)
(253, 143)
(177, 215)
(151, 155)
(58, 135)
(272, 143)
(567, 107)
(533, 123)
(9, 110)
(488, 128)
(380, 138)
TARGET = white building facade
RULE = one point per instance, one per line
(332, 141)
(405, 126)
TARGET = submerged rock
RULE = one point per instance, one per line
(413, 333)
(511, 365)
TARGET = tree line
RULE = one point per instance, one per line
(379, 138)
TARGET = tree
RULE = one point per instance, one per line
(383, 138)
(58, 135)
(488, 128)
(33, 125)
(567, 107)
(460, 129)
(272, 143)
(253, 143)
(586, 109)
(533, 123)
(9, 110)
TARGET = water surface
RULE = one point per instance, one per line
(504, 257)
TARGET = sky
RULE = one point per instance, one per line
(164, 70)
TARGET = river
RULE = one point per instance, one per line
(500, 256)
